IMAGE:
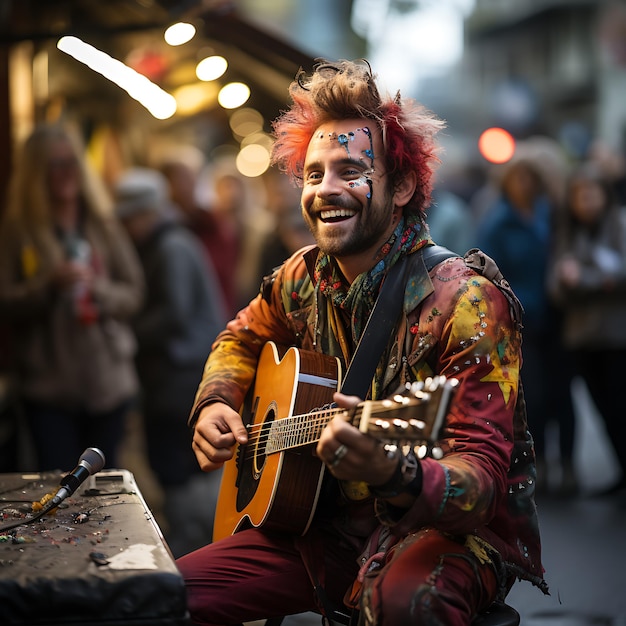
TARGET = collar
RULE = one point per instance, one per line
(418, 285)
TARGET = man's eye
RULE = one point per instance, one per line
(352, 173)
(313, 177)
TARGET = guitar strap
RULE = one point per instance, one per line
(357, 382)
(381, 321)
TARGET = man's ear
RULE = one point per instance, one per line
(405, 189)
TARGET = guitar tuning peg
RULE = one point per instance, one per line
(436, 382)
(391, 449)
(421, 452)
(437, 453)
(417, 390)
(416, 386)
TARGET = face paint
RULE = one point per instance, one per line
(344, 140)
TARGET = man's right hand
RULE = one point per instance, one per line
(217, 430)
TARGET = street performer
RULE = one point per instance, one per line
(402, 539)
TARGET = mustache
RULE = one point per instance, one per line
(341, 203)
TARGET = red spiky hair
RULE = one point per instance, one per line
(346, 90)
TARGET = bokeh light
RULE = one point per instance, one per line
(211, 68)
(496, 145)
(246, 121)
(179, 33)
(253, 160)
(233, 95)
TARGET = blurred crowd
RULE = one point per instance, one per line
(112, 292)
(111, 295)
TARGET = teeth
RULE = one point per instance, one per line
(327, 215)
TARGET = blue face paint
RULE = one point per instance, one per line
(370, 151)
(344, 140)
(364, 180)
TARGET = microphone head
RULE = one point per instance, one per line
(93, 460)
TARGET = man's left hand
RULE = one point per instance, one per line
(350, 454)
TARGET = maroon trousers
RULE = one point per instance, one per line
(427, 579)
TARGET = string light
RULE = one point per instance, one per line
(179, 33)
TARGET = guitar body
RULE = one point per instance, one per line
(277, 490)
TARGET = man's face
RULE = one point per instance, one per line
(346, 201)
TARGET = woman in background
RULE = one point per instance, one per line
(587, 280)
(69, 282)
(517, 231)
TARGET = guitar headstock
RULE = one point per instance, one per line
(414, 416)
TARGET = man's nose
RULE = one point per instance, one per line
(330, 185)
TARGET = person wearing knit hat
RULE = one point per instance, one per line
(181, 317)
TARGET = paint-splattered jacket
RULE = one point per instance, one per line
(456, 323)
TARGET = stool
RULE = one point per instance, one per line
(498, 614)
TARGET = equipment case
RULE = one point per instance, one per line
(100, 560)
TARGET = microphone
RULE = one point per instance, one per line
(91, 462)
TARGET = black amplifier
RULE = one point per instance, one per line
(99, 560)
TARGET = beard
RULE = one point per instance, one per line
(367, 229)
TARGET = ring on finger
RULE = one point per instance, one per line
(340, 452)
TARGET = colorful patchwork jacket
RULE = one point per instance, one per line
(456, 323)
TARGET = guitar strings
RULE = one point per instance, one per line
(305, 418)
(288, 432)
(293, 420)
(297, 430)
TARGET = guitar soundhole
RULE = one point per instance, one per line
(252, 458)
(260, 442)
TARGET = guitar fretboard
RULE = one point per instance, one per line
(297, 430)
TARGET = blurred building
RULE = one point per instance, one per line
(550, 67)
(547, 67)
(107, 67)
(555, 67)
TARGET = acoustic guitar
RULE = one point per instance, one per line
(274, 480)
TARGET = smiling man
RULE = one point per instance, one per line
(345, 200)
(403, 538)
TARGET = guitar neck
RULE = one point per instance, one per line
(384, 419)
(296, 430)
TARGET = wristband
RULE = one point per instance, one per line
(407, 478)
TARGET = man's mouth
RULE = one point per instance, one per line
(336, 215)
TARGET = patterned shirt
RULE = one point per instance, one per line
(456, 323)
